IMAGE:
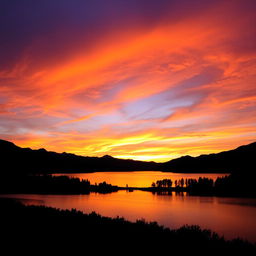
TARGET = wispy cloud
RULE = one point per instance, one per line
(164, 79)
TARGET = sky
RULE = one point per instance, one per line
(141, 79)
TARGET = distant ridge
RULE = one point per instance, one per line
(14, 159)
(25, 160)
(240, 159)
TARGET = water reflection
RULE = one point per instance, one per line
(232, 217)
(139, 179)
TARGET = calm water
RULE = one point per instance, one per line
(138, 179)
(231, 217)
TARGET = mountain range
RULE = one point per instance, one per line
(241, 159)
(19, 160)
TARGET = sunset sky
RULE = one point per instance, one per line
(141, 79)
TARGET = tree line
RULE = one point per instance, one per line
(167, 183)
(49, 184)
(202, 185)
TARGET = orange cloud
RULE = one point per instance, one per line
(148, 92)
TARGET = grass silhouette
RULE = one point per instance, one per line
(54, 228)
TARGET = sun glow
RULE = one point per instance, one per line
(178, 82)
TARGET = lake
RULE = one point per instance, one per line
(231, 217)
(138, 179)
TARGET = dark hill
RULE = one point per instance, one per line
(17, 160)
(241, 159)
(25, 160)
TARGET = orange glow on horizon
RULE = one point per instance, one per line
(153, 91)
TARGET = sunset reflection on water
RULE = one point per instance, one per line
(140, 178)
(231, 217)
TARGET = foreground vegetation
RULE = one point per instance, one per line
(48, 227)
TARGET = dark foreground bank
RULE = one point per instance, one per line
(49, 229)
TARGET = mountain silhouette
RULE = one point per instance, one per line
(17, 160)
(241, 159)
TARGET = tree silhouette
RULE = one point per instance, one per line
(165, 183)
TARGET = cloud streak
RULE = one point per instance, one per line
(134, 79)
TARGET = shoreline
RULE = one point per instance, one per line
(50, 221)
